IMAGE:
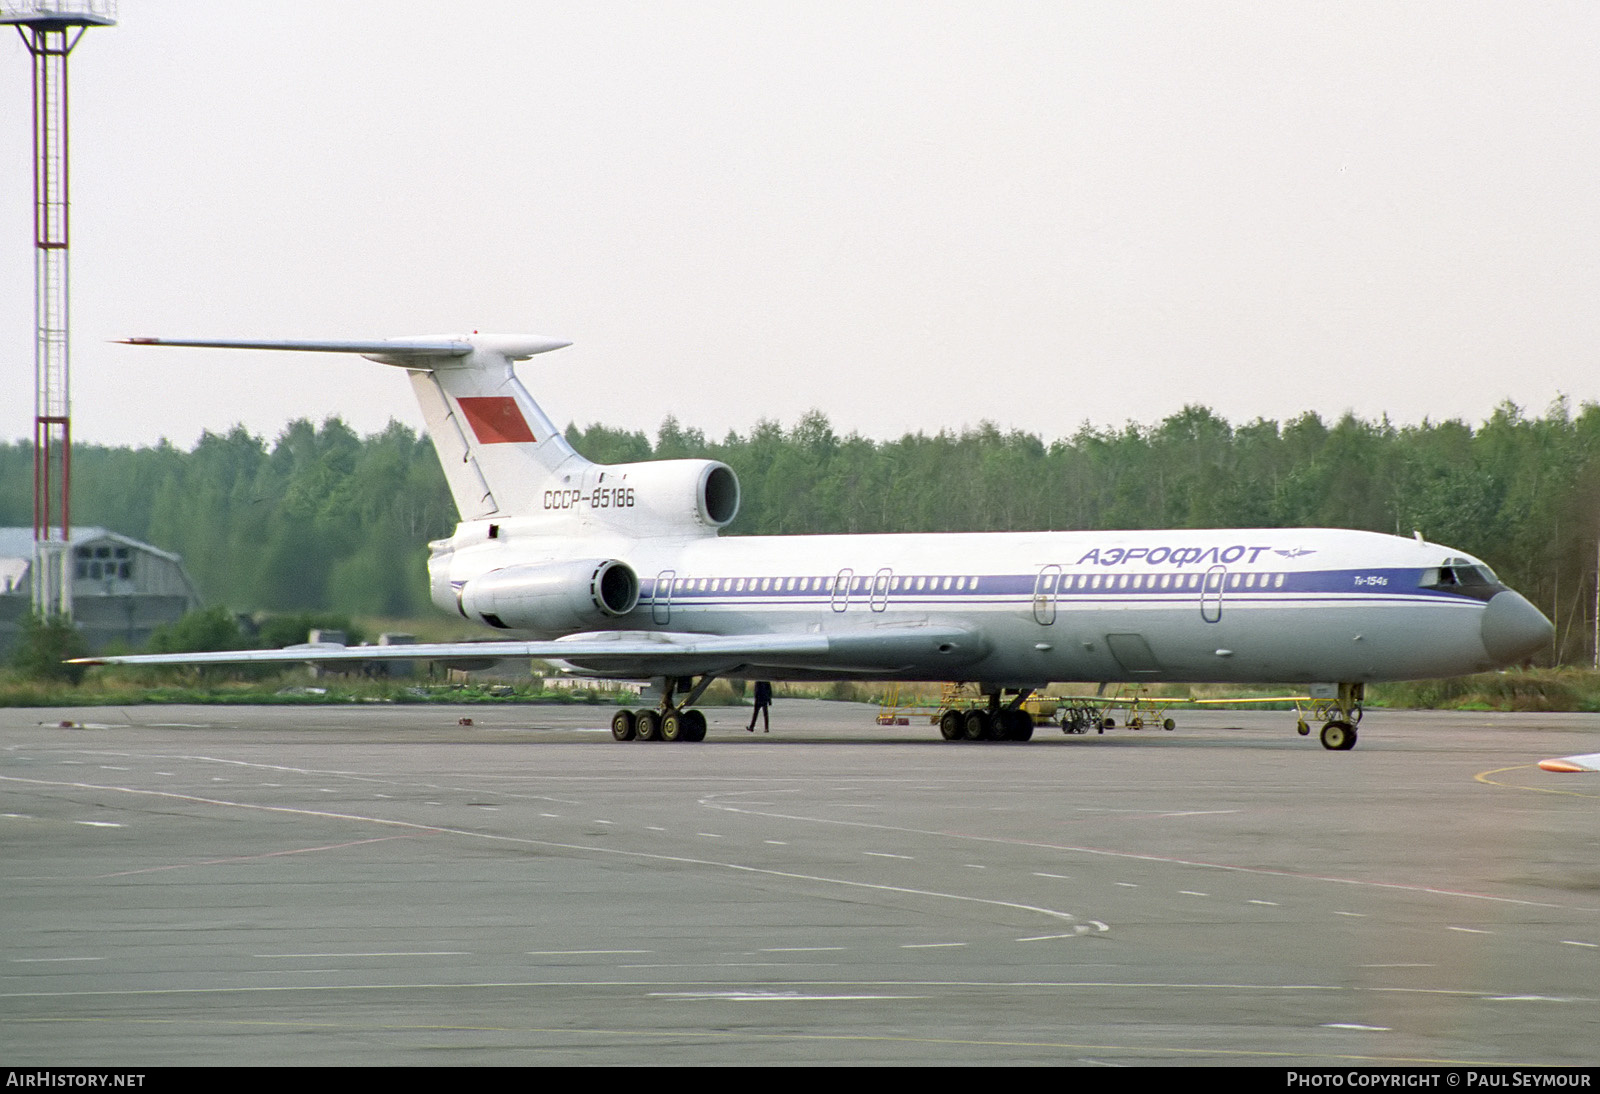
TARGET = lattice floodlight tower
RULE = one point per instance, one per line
(50, 28)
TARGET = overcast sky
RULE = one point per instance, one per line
(912, 216)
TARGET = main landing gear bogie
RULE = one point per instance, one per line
(992, 724)
(670, 720)
(651, 725)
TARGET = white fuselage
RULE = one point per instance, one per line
(1257, 605)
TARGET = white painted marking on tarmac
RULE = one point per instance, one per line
(801, 949)
(1266, 903)
(17, 816)
(108, 767)
(1400, 965)
(885, 854)
(1355, 1026)
(598, 821)
(1128, 884)
(1469, 930)
(100, 824)
(758, 996)
(1352, 915)
(1192, 892)
(49, 960)
(715, 965)
(711, 801)
(710, 835)
(973, 866)
(1526, 999)
(585, 953)
(383, 953)
(1575, 942)
(1056, 877)
(412, 826)
(1198, 813)
(776, 842)
(931, 945)
(552, 816)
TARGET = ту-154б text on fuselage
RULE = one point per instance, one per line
(621, 571)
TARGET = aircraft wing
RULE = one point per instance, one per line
(640, 653)
(1590, 762)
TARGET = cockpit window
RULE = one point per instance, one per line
(1461, 575)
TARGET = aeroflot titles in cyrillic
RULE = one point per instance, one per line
(1171, 556)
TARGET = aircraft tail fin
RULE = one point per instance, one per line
(498, 449)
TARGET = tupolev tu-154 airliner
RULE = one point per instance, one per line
(620, 571)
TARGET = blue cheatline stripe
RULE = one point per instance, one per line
(1380, 584)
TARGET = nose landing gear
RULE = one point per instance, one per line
(1339, 717)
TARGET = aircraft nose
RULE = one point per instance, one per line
(1514, 629)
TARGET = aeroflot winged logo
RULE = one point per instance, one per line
(495, 419)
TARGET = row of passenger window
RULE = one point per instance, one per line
(892, 584)
(860, 584)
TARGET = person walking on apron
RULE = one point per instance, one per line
(763, 701)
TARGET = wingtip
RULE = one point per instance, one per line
(1565, 766)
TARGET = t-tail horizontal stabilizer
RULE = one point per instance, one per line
(499, 451)
(513, 347)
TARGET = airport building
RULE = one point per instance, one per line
(122, 590)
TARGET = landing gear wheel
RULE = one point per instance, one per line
(622, 725)
(975, 725)
(694, 725)
(1135, 723)
(1302, 728)
(647, 724)
(1109, 723)
(1339, 736)
(1169, 725)
(672, 727)
(1018, 725)
(950, 725)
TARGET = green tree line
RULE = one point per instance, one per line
(322, 519)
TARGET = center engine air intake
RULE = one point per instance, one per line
(666, 497)
(552, 597)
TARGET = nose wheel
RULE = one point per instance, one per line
(1338, 736)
